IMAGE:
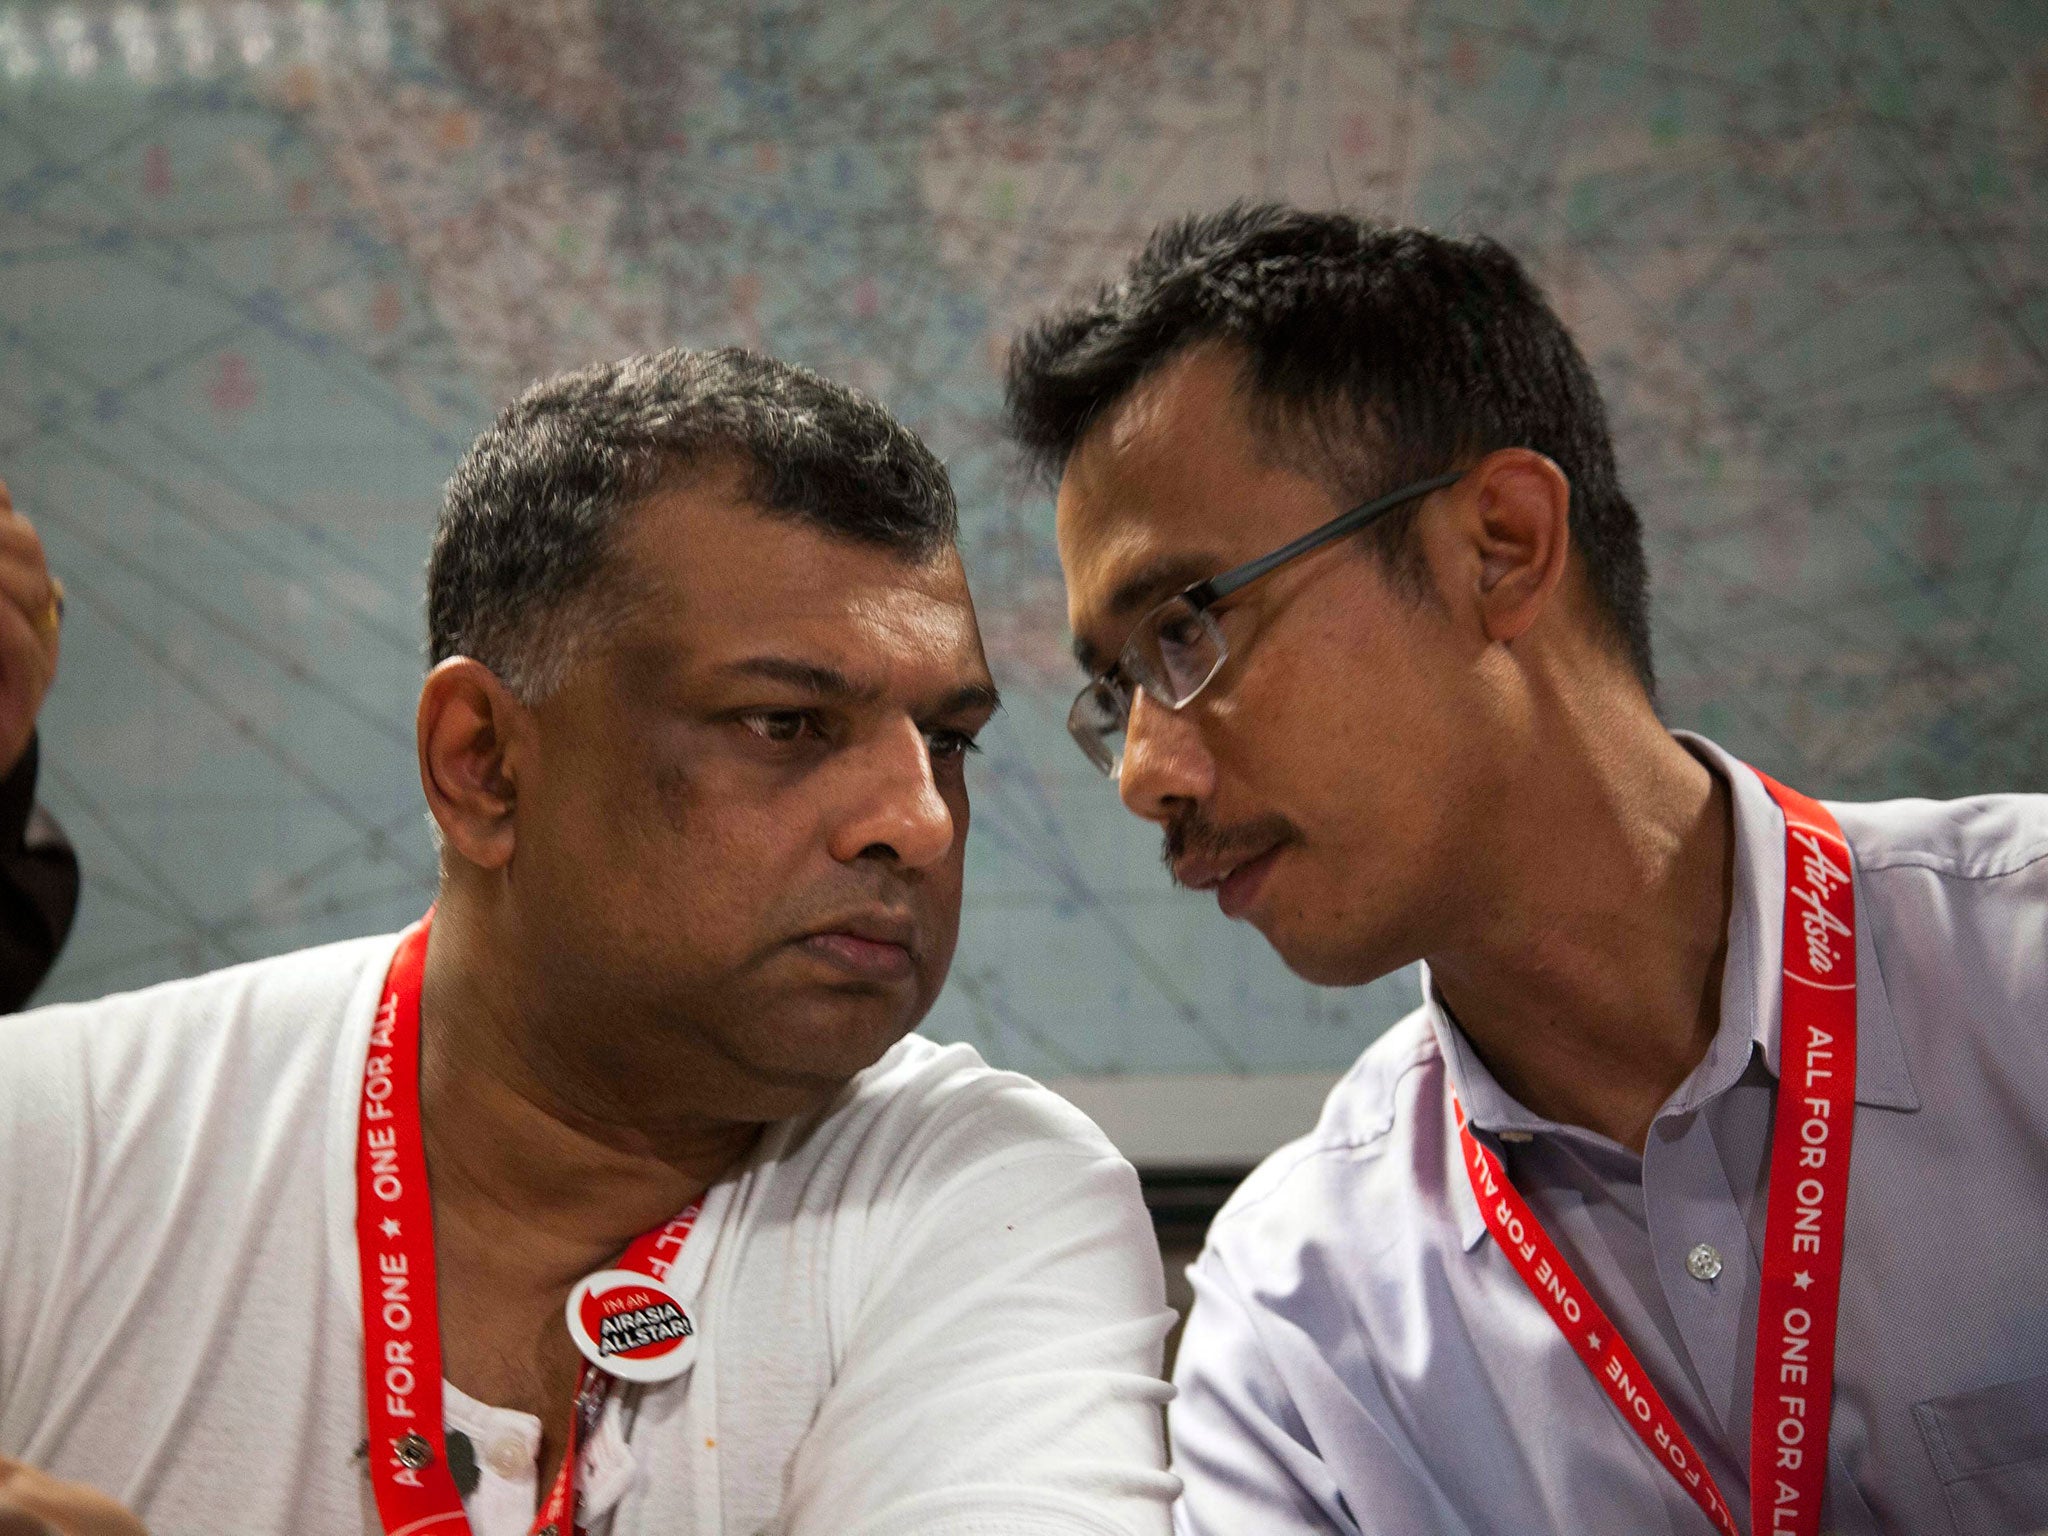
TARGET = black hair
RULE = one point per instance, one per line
(533, 510)
(1373, 356)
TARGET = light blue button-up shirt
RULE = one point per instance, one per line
(1362, 1358)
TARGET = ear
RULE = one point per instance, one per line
(1517, 521)
(473, 737)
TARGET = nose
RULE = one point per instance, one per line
(1165, 764)
(896, 811)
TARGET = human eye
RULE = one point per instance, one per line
(949, 746)
(781, 727)
(1178, 625)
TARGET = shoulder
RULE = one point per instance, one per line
(261, 999)
(1340, 1241)
(1365, 1146)
(928, 1110)
(172, 1051)
(1956, 893)
(1956, 889)
(932, 1161)
(134, 1129)
(1980, 839)
(1985, 838)
(933, 1183)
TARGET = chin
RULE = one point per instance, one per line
(1329, 958)
(834, 1038)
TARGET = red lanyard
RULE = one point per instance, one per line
(1793, 1395)
(625, 1320)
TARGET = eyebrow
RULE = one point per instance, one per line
(830, 682)
(1151, 582)
(971, 697)
(807, 675)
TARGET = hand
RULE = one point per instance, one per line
(30, 607)
(32, 1504)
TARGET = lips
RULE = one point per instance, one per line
(1208, 871)
(1240, 888)
(871, 945)
(1234, 864)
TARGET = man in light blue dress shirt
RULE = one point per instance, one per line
(1435, 739)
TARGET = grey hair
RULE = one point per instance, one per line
(521, 558)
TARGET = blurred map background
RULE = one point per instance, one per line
(265, 268)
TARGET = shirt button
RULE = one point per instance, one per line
(1703, 1263)
(509, 1458)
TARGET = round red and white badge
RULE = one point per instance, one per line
(631, 1326)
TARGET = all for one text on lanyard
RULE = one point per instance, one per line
(1792, 1396)
(626, 1321)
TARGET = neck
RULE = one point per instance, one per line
(525, 1184)
(1591, 985)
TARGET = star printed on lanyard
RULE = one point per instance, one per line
(1592, 1341)
(389, 1226)
(1802, 1278)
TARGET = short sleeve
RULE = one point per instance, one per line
(1001, 1376)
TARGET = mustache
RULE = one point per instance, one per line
(1190, 833)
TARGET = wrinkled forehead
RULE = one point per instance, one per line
(717, 580)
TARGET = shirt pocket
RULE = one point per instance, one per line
(1990, 1449)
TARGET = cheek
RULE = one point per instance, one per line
(689, 856)
(1296, 734)
(1359, 717)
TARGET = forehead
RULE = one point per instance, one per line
(707, 570)
(1171, 485)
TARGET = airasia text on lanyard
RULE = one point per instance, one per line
(1793, 1394)
(626, 1321)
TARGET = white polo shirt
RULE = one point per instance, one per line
(934, 1307)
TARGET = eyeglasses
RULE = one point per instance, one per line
(1177, 648)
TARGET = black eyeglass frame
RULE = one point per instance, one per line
(1204, 595)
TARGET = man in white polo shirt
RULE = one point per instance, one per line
(711, 1246)
(1708, 1188)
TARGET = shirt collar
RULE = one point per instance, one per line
(1756, 933)
(1750, 1003)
